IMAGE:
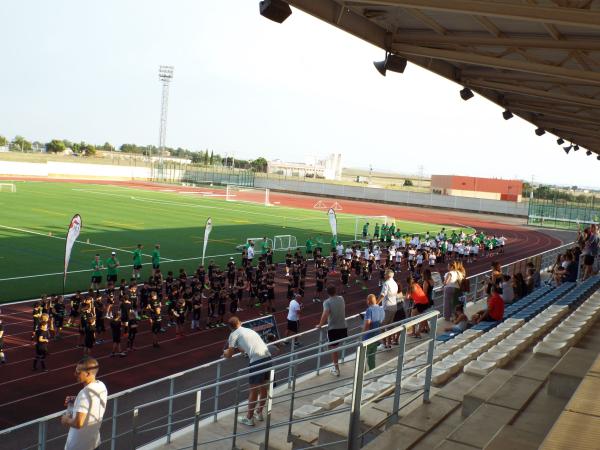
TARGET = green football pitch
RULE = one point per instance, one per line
(34, 221)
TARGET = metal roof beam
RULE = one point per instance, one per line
(532, 41)
(540, 14)
(499, 63)
(536, 93)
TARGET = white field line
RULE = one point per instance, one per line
(23, 230)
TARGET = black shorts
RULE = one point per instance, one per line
(271, 294)
(89, 343)
(181, 319)
(74, 313)
(155, 266)
(420, 307)
(97, 279)
(221, 309)
(337, 334)
(293, 325)
(116, 337)
(588, 260)
(112, 278)
(258, 378)
(319, 286)
(155, 327)
(400, 313)
(58, 321)
(41, 351)
(137, 267)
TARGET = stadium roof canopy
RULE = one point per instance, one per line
(539, 59)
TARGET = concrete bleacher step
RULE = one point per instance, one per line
(568, 373)
(414, 427)
(483, 390)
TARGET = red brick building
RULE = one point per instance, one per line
(488, 188)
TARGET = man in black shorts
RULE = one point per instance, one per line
(59, 316)
(334, 314)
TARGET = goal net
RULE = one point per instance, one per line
(284, 242)
(248, 195)
(360, 222)
(8, 187)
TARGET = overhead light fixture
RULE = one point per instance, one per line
(391, 62)
(466, 94)
(576, 147)
(560, 141)
(507, 115)
(275, 10)
(567, 149)
(540, 131)
(589, 153)
(598, 157)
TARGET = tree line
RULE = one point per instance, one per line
(202, 157)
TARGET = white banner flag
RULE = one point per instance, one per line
(72, 235)
(332, 221)
(207, 230)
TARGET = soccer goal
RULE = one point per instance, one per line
(236, 193)
(360, 222)
(8, 187)
(284, 242)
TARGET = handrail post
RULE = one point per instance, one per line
(321, 332)
(430, 349)
(217, 391)
(113, 435)
(134, 427)
(292, 400)
(400, 367)
(42, 435)
(197, 419)
(268, 406)
(292, 357)
(235, 413)
(170, 414)
(354, 423)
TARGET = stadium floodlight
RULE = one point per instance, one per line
(466, 94)
(560, 141)
(575, 147)
(567, 149)
(540, 131)
(589, 153)
(391, 62)
(165, 75)
(275, 10)
(507, 115)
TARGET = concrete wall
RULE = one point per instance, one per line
(54, 169)
(393, 196)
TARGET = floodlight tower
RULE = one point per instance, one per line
(165, 75)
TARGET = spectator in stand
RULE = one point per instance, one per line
(588, 241)
(460, 320)
(334, 314)
(420, 303)
(374, 317)
(451, 289)
(388, 299)
(85, 413)
(249, 342)
(519, 286)
(495, 308)
(508, 293)
(567, 272)
(535, 273)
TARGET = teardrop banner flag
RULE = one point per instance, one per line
(207, 230)
(332, 221)
(72, 235)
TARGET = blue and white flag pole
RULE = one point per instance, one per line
(72, 235)
(207, 230)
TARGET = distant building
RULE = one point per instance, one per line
(329, 168)
(488, 188)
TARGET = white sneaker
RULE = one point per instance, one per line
(334, 372)
(245, 421)
(259, 417)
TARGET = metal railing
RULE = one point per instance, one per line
(47, 433)
(288, 366)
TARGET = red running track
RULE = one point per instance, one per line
(25, 395)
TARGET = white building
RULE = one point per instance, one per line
(329, 168)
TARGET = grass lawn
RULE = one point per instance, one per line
(34, 220)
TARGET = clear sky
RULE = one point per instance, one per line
(84, 70)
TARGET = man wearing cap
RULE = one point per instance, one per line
(112, 264)
(85, 413)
